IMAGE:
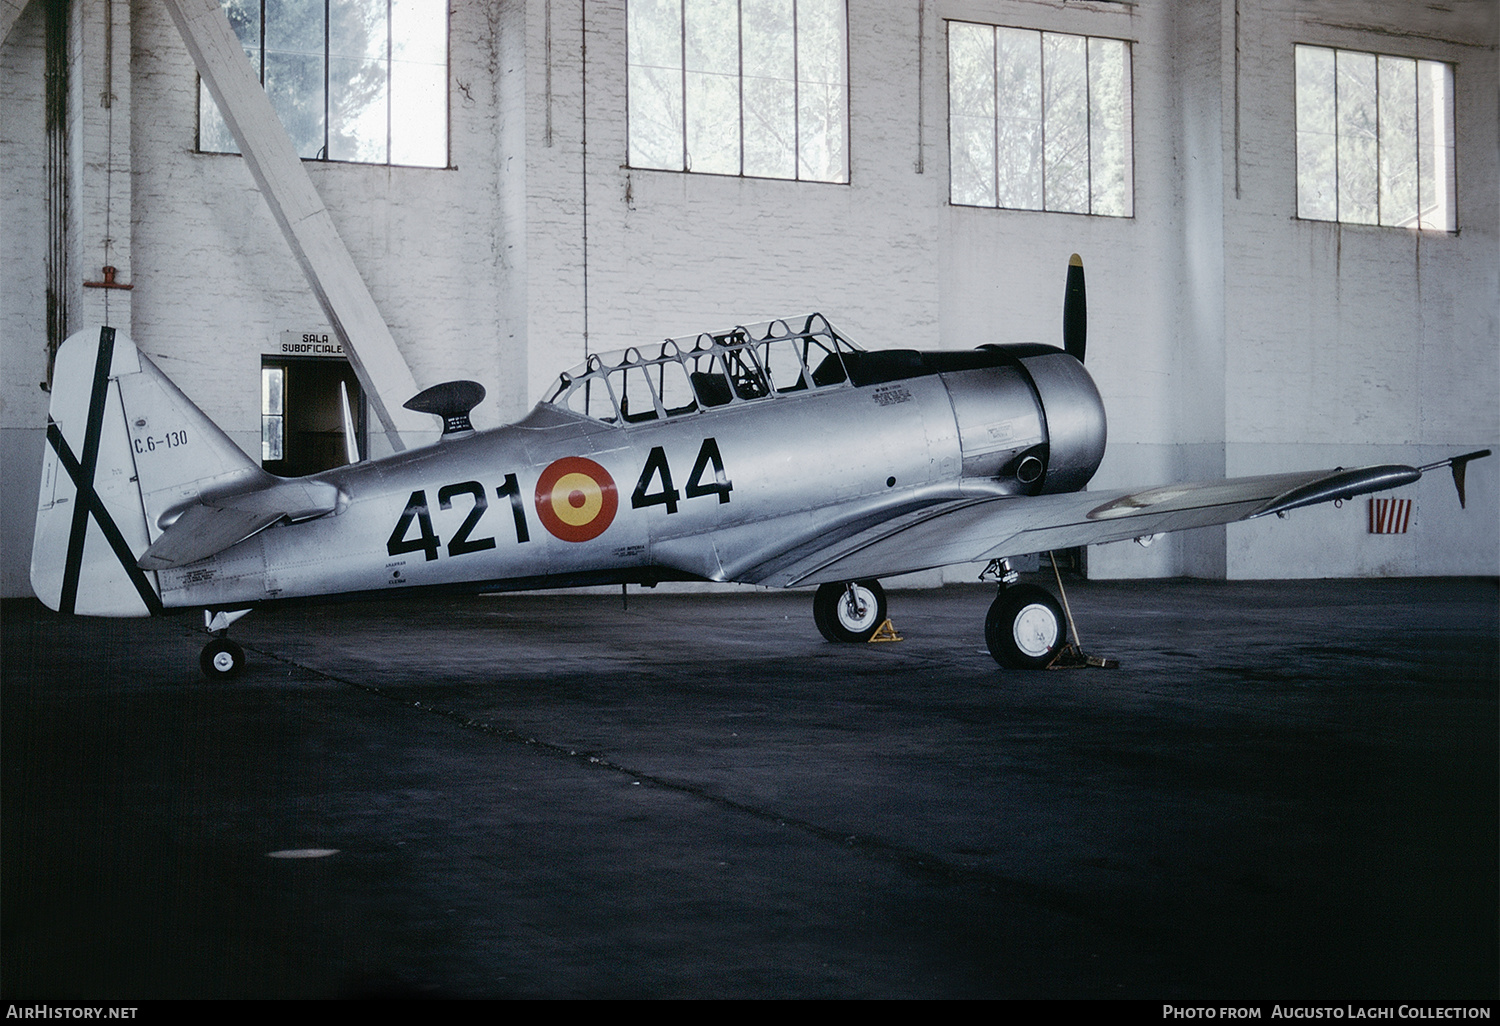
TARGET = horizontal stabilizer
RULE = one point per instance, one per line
(202, 531)
(213, 525)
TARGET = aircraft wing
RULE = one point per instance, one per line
(969, 530)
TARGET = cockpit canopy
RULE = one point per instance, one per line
(685, 375)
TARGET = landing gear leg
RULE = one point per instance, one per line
(221, 659)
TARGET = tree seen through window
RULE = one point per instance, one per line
(1039, 120)
(351, 80)
(1374, 139)
(739, 87)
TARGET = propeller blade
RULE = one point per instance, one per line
(1075, 311)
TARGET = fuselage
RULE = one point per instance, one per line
(698, 461)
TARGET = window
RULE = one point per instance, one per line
(352, 80)
(1374, 139)
(272, 414)
(1039, 121)
(739, 87)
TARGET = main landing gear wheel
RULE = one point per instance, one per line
(849, 612)
(221, 659)
(1025, 628)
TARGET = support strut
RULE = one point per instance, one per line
(1072, 656)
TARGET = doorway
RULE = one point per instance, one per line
(302, 414)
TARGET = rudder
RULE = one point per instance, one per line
(125, 449)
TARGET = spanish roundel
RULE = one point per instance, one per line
(576, 499)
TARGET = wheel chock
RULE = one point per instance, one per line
(1071, 657)
(885, 632)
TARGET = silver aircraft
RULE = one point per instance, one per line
(776, 454)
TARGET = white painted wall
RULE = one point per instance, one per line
(1226, 337)
(23, 283)
(1352, 344)
(215, 280)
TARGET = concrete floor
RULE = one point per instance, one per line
(1287, 792)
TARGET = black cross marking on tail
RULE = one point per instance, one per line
(82, 471)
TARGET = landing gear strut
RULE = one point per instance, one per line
(849, 612)
(1027, 628)
(221, 659)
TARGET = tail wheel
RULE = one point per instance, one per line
(221, 659)
(849, 612)
(1025, 628)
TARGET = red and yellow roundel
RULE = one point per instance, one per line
(576, 499)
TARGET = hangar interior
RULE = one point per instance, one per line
(1288, 211)
(1285, 790)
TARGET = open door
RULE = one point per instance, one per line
(302, 420)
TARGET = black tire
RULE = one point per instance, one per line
(221, 659)
(837, 620)
(1025, 628)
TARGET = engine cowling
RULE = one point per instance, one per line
(1074, 420)
(1032, 421)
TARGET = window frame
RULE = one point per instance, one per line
(1128, 128)
(731, 360)
(1450, 147)
(740, 76)
(207, 107)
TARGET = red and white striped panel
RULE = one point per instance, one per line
(1390, 516)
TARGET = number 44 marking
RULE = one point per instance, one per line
(657, 469)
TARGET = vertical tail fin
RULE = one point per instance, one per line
(124, 448)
